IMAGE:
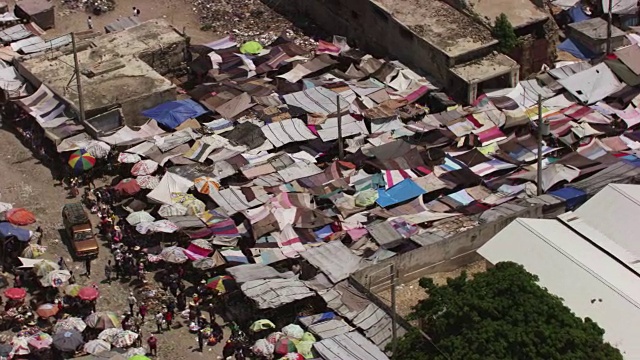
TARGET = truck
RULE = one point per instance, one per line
(82, 239)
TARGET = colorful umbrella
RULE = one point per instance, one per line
(20, 216)
(144, 167)
(293, 356)
(204, 263)
(40, 340)
(56, 278)
(173, 254)
(274, 337)
(88, 293)
(128, 186)
(47, 310)
(98, 149)
(109, 335)
(44, 267)
(97, 346)
(71, 323)
(206, 184)
(263, 348)
(202, 244)
(103, 320)
(148, 181)
(222, 283)
(126, 158)
(72, 289)
(15, 293)
(33, 251)
(20, 345)
(67, 340)
(124, 338)
(293, 331)
(81, 160)
(168, 210)
(139, 216)
(193, 205)
(285, 346)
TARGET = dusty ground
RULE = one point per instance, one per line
(179, 13)
(409, 294)
(27, 183)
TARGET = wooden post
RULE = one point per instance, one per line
(78, 79)
(539, 169)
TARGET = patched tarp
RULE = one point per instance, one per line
(173, 113)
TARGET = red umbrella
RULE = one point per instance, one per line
(20, 216)
(128, 186)
(88, 293)
(47, 310)
(15, 293)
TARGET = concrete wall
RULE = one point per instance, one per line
(165, 59)
(446, 255)
(375, 31)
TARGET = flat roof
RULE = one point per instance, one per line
(591, 283)
(520, 12)
(595, 28)
(120, 74)
(485, 68)
(439, 24)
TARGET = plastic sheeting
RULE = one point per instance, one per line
(403, 191)
(173, 113)
(170, 183)
(576, 49)
(573, 197)
(592, 85)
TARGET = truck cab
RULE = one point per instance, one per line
(80, 231)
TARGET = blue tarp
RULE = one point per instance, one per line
(403, 191)
(576, 49)
(173, 113)
(7, 230)
(577, 14)
(573, 197)
(631, 159)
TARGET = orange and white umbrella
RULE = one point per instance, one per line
(206, 184)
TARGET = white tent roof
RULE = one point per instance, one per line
(170, 183)
(592, 85)
(591, 283)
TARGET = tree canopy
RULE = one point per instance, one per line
(500, 314)
(504, 33)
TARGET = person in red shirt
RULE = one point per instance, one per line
(142, 310)
(153, 345)
(168, 317)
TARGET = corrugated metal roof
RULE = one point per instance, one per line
(349, 346)
(590, 282)
(272, 293)
(15, 33)
(122, 23)
(334, 259)
(619, 172)
(377, 325)
(249, 272)
(47, 45)
(609, 218)
(325, 329)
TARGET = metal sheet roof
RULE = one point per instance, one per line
(272, 293)
(576, 271)
(349, 346)
(617, 173)
(334, 259)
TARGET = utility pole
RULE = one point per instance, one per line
(340, 144)
(539, 168)
(609, 20)
(394, 325)
(78, 78)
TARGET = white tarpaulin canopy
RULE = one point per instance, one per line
(170, 183)
(593, 84)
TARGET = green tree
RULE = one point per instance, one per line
(500, 314)
(503, 32)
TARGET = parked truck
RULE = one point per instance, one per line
(82, 239)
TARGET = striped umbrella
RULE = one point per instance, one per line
(220, 283)
(206, 184)
(103, 320)
(81, 160)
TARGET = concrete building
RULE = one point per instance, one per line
(592, 33)
(432, 37)
(119, 70)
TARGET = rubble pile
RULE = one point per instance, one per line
(91, 5)
(248, 20)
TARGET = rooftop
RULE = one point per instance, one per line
(520, 12)
(595, 28)
(440, 24)
(591, 283)
(485, 68)
(112, 69)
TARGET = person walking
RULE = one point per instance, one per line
(132, 302)
(107, 271)
(153, 345)
(89, 23)
(200, 340)
(159, 320)
(136, 12)
(142, 310)
(87, 267)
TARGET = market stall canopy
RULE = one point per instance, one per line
(20, 216)
(173, 113)
(8, 230)
(170, 183)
